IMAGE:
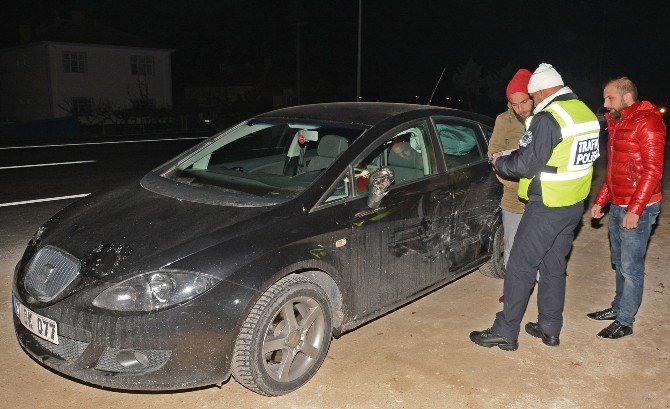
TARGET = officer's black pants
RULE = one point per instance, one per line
(542, 243)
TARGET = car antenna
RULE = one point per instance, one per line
(438, 83)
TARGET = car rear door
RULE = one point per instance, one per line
(474, 192)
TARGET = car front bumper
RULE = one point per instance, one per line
(182, 347)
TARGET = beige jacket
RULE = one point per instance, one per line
(507, 131)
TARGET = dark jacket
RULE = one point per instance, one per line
(635, 148)
(537, 145)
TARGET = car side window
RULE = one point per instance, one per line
(339, 190)
(407, 150)
(460, 144)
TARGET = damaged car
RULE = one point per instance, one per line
(245, 255)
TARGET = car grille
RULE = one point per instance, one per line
(109, 360)
(50, 272)
(67, 349)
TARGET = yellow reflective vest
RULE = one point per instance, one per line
(566, 180)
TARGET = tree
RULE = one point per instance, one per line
(496, 84)
(468, 79)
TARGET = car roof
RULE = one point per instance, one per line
(366, 113)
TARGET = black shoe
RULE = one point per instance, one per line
(488, 339)
(533, 328)
(608, 314)
(615, 330)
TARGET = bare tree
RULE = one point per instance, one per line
(144, 109)
(98, 113)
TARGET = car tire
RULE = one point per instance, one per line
(495, 267)
(284, 339)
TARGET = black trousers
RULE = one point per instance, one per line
(542, 243)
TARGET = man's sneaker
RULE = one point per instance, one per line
(615, 330)
(608, 314)
(488, 339)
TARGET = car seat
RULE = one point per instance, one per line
(330, 147)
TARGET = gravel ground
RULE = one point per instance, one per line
(418, 356)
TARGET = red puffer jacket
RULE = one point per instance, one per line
(635, 165)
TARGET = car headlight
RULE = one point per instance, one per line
(154, 290)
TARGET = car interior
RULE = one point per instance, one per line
(405, 153)
(459, 144)
(284, 158)
(329, 148)
(267, 158)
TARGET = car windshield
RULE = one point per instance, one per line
(270, 159)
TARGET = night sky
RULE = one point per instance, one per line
(405, 44)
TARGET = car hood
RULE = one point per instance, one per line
(132, 228)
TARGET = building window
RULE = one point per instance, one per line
(82, 107)
(74, 62)
(142, 65)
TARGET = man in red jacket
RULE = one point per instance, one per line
(633, 187)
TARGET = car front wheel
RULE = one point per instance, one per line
(284, 339)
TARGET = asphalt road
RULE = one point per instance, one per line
(44, 170)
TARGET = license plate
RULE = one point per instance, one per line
(43, 327)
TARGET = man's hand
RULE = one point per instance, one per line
(597, 211)
(630, 220)
(494, 157)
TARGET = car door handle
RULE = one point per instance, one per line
(369, 212)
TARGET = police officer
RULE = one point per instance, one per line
(554, 165)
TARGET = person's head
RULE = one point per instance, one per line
(544, 82)
(517, 94)
(618, 94)
(403, 149)
(401, 146)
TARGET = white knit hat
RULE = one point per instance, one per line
(545, 76)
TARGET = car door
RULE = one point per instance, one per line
(398, 248)
(474, 190)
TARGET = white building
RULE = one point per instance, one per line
(48, 79)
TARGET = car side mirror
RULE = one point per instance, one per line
(378, 186)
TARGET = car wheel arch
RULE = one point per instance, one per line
(326, 277)
(328, 284)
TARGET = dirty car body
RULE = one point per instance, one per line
(247, 253)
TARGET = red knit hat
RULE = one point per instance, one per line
(519, 82)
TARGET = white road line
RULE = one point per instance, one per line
(101, 143)
(47, 199)
(47, 164)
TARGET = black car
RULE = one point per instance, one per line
(247, 253)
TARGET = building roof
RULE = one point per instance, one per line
(81, 30)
